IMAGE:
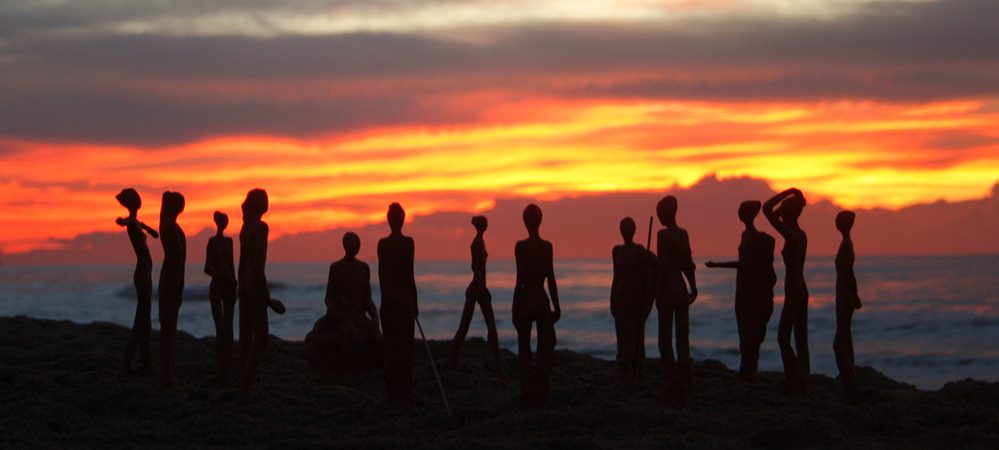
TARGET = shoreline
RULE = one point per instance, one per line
(58, 386)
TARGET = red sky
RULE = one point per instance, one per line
(337, 109)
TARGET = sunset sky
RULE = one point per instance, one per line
(339, 107)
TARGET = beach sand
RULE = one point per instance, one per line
(58, 388)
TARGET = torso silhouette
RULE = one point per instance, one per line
(755, 275)
(252, 262)
(174, 255)
(479, 256)
(143, 260)
(219, 260)
(846, 280)
(534, 261)
(632, 264)
(674, 256)
(795, 246)
(395, 275)
(348, 288)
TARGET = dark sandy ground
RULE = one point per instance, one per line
(58, 389)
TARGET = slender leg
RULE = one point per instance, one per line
(788, 357)
(466, 319)
(486, 305)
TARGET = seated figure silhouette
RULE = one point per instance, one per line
(631, 299)
(477, 292)
(673, 300)
(345, 339)
(794, 314)
(138, 339)
(171, 289)
(754, 289)
(221, 292)
(847, 300)
(254, 295)
(399, 308)
(535, 265)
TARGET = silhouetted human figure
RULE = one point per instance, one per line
(399, 308)
(535, 265)
(847, 300)
(344, 339)
(673, 300)
(254, 295)
(138, 339)
(221, 292)
(633, 292)
(171, 289)
(794, 314)
(754, 288)
(477, 292)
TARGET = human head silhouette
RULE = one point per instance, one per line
(396, 217)
(844, 221)
(748, 211)
(171, 207)
(627, 227)
(130, 199)
(221, 220)
(351, 244)
(666, 210)
(532, 217)
(790, 209)
(255, 205)
(480, 223)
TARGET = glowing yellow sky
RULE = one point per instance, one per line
(857, 154)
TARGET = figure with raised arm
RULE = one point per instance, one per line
(171, 289)
(138, 339)
(673, 299)
(348, 338)
(847, 300)
(783, 211)
(399, 309)
(632, 296)
(221, 292)
(535, 266)
(754, 288)
(254, 295)
(478, 293)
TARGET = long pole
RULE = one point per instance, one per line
(433, 366)
(648, 240)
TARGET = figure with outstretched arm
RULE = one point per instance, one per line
(171, 289)
(847, 300)
(794, 313)
(397, 282)
(221, 293)
(138, 339)
(535, 266)
(674, 264)
(632, 294)
(478, 293)
(754, 288)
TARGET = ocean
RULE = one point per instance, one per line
(926, 320)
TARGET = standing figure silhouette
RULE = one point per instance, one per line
(477, 292)
(847, 300)
(794, 314)
(673, 300)
(399, 309)
(254, 295)
(535, 265)
(632, 296)
(138, 339)
(754, 289)
(221, 292)
(171, 289)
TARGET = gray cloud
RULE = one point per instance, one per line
(103, 87)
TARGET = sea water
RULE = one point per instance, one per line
(926, 320)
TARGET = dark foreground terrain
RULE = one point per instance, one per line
(58, 387)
